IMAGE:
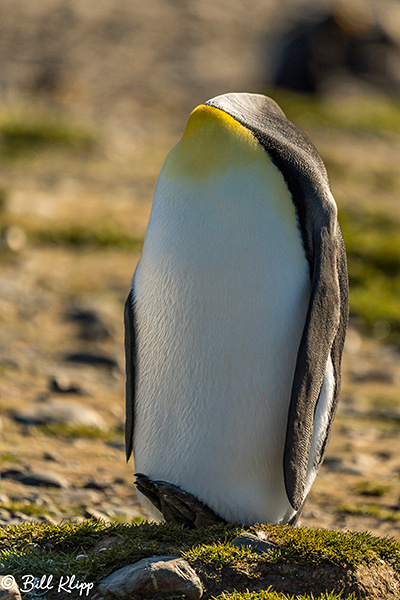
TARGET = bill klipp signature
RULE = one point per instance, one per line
(39, 586)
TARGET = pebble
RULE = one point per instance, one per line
(159, 575)
(80, 497)
(38, 478)
(95, 360)
(61, 411)
(97, 485)
(44, 479)
(257, 543)
(92, 325)
(13, 238)
(9, 589)
(61, 384)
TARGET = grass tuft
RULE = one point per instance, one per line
(83, 236)
(105, 547)
(22, 133)
(270, 594)
(371, 488)
(78, 431)
(373, 251)
(370, 510)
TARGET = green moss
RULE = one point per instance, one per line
(75, 548)
(80, 236)
(25, 507)
(8, 457)
(269, 594)
(373, 251)
(370, 510)
(24, 133)
(371, 488)
(78, 431)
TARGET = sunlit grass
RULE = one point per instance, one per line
(371, 114)
(373, 251)
(78, 431)
(74, 548)
(270, 594)
(24, 132)
(370, 510)
(87, 236)
(371, 488)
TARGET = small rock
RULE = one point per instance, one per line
(80, 497)
(61, 411)
(9, 589)
(13, 238)
(40, 478)
(96, 360)
(61, 384)
(44, 479)
(50, 456)
(97, 485)
(160, 575)
(11, 474)
(116, 444)
(92, 326)
(257, 543)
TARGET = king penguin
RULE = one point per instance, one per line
(235, 322)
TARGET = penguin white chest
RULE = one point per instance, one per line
(221, 295)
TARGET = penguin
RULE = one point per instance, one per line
(235, 322)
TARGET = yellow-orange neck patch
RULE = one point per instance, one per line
(213, 141)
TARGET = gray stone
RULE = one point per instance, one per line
(92, 484)
(9, 589)
(61, 411)
(44, 479)
(61, 384)
(157, 576)
(80, 497)
(93, 326)
(258, 544)
(90, 358)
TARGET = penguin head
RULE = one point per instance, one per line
(214, 143)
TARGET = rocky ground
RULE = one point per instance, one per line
(62, 290)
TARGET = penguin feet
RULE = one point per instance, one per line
(176, 505)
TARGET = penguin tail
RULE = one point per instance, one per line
(177, 506)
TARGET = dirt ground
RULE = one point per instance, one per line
(42, 287)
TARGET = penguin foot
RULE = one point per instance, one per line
(176, 505)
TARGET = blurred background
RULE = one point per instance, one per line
(93, 95)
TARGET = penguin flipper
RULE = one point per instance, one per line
(323, 337)
(130, 364)
(176, 505)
